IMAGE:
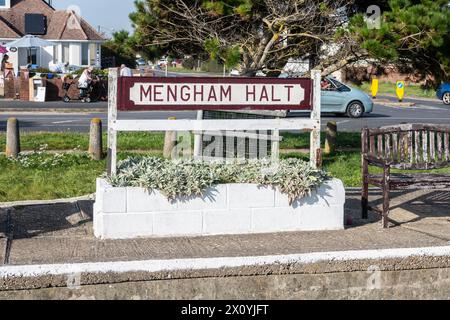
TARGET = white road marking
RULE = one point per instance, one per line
(65, 121)
(218, 263)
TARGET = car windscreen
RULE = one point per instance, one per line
(340, 85)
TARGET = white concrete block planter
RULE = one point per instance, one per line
(121, 213)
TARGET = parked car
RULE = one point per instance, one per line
(340, 98)
(163, 62)
(443, 93)
(140, 63)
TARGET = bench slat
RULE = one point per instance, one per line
(395, 146)
(380, 146)
(387, 145)
(432, 146)
(439, 146)
(417, 147)
(410, 147)
(414, 181)
(372, 146)
(446, 146)
(425, 146)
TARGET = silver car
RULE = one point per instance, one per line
(340, 98)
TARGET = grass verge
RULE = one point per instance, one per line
(411, 91)
(34, 141)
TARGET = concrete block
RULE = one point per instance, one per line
(275, 220)
(141, 200)
(233, 221)
(184, 223)
(213, 199)
(321, 218)
(130, 225)
(114, 200)
(330, 193)
(250, 196)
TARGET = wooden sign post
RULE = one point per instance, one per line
(189, 93)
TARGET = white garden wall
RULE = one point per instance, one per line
(226, 209)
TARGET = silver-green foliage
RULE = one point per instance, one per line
(186, 178)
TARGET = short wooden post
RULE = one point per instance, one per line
(169, 142)
(12, 138)
(331, 137)
(96, 140)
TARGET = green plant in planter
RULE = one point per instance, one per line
(186, 178)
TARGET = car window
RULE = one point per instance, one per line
(328, 85)
(340, 86)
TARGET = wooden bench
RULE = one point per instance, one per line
(420, 147)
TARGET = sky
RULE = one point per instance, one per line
(109, 14)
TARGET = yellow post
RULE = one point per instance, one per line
(400, 90)
(375, 86)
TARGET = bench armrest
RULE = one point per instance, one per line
(377, 162)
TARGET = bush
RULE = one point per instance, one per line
(294, 177)
(212, 66)
(189, 63)
(96, 72)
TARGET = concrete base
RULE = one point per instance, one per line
(121, 213)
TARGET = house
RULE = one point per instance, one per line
(78, 43)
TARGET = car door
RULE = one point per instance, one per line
(332, 98)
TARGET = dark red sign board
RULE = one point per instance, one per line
(205, 93)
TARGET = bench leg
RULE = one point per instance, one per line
(365, 191)
(386, 197)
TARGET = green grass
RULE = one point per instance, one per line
(149, 141)
(73, 175)
(71, 141)
(411, 91)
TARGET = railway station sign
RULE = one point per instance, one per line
(192, 93)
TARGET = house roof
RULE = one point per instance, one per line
(61, 25)
(6, 31)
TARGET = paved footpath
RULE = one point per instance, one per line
(45, 242)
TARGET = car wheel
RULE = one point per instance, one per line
(446, 98)
(66, 99)
(355, 110)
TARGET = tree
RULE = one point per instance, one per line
(124, 48)
(257, 34)
(120, 48)
(414, 36)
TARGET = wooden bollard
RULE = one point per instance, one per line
(169, 142)
(331, 137)
(12, 138)
(96, 140)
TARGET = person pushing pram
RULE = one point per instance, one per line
(85, 82)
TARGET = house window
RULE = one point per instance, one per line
(56, 56)
(33, 55)
(93, 47)
(5, 4)
(85, 54)
(65, 53)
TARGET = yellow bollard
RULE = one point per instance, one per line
(400, 90)
(375, 86)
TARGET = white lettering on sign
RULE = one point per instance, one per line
(224, 94)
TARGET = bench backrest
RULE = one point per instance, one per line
(409, 146)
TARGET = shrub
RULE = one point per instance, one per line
(189, 63)
(293, 177)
